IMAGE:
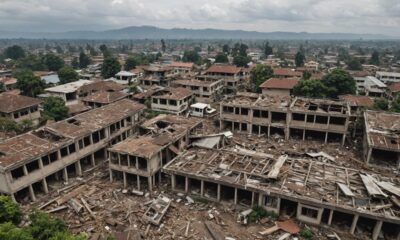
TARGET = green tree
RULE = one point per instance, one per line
(53, 62)
(311, 88)
(395, 105)
(239, 49)
(225, 48)
(105, 51)
(340, 82)
(354, 65)
(130, 63)
(54, 108)
(75, 63)
(241, 61)
(84, 60)
(14, 52)
(2, 87)
(67, 74)
(191, 56)
(381, 104)
(59, 49)
(25, 125)
(221, 58)
(29, 84)
(9, 231)
(163, 46)
(9, 210)
(375, 58)
(267, 49)
(306, 75)
(299, 59)
(258, 75)
(66, 235)
(110, 67)
(9, 125)
(44, 226)
(31, 62)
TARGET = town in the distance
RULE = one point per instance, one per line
(219, 139)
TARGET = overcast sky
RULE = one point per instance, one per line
(350, 16)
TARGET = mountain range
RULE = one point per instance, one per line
(151, 32)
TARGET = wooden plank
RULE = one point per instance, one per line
(277, 167)
(346, 190)
(269, 230)
(372, 188)
(389, 187)
(88, 208)
(70, 195)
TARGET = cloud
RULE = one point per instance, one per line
(363, 16)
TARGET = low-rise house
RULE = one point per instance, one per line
(388, 77)
(182, 67)
(138, 160)
(19, 108)
(102, 98)
(204, 91)
(232, 76)
(68, 92)
(172, 100)
(9, 83)
(125, 78)
(287, 73)
(279, 87)
(393, 91)
(374, 87)
(155, 75)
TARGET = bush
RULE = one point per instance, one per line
(259, 212)
(45, 227)
(9, 231)
(306, 233)
(9, 210)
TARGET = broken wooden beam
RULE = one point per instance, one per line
(215, 233)
(88, 208)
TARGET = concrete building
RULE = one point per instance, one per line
(138, 160)
(156, 75)
(279, 87)
(103, 98)
(371, 86)
(19, 108)
(393, 91)
(182, 67)
(381, 142)
(125, 78)
(231, 75)
(68, 92)
(9, 83)
(204, 91)
(298, 117)
(388, 77)
(313, 192)
(30, 162)
(287, 73)
(172, 100)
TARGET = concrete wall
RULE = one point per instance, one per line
(276, 92)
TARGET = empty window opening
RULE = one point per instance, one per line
(132, 180)
(278, 117)
(298, 117)
(270, 202)
(325, 216)
(390, 230)
(100, 156)
(310, 118)
(236, 126)
(312, 107)
(288, 207)
(264, 130)
(365, 226)
(226, 109)
(296, 133)
(123, 159)
(64, 151)
(321, 119)
(17, 173)
(142, 163)
(180, 182)
(244, 197)
(53, 156)
(315, 135)
(210, 190)
(274, 131)
(86, 141)
(96, 137)
(86, 162)
(194, 186)
(117, 175)
(71, 169)
(244, 126)
(384, 158)
(244, 111)
(22, 196)
(337, 120)
(32, 166)
(227, 194)
(255, 129)
(72, 148)
(335, 137)
(309, 212)
(342, 220)
(237, 111)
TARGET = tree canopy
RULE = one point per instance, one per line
(14, 52)
(53, 62)
(258, 75)
(267, 49)
(300, 59)
(191, 56)
(110, 67)
(54, 108)
(29, 84)
(130, 63)
(67, 74)
(84, 60)
(354, 65)
(312, 89)
(9, 211)
(340, 82)
(221, 58)
(375, 58)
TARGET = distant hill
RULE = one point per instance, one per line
(150, 32)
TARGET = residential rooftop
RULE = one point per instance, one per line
(69, 87)
(383, 130)
(10, 102)
(277, 83)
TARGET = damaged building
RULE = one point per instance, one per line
(286, 116)
(313, 192)
(138, 160)
(382, 139)
(30, 162)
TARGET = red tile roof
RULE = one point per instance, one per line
(10, 103)
(182, 64)
(287, 72)
(223, 69)
(394, 87)
(104, 97)
(277, 83)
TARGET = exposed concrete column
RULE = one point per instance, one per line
(111, 176)
(252, 198)
(235, 198)
(377, 230)
(219, 192)
(186, 184)
(44, 184)
(202, 188)
(124, 177)
(150, 184)
(330, 217)
(343, 138)
(78, 168)
(58, 154)
(304, 134)
(32, 193)
(25, 170)
(354, 223)
(173, 182)
(65, 174)
(138, 182)
(92, 160)
(369, 153)
(40, 163)
(398, 160)
(260, 199)
(326, 137)
(269, 130)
